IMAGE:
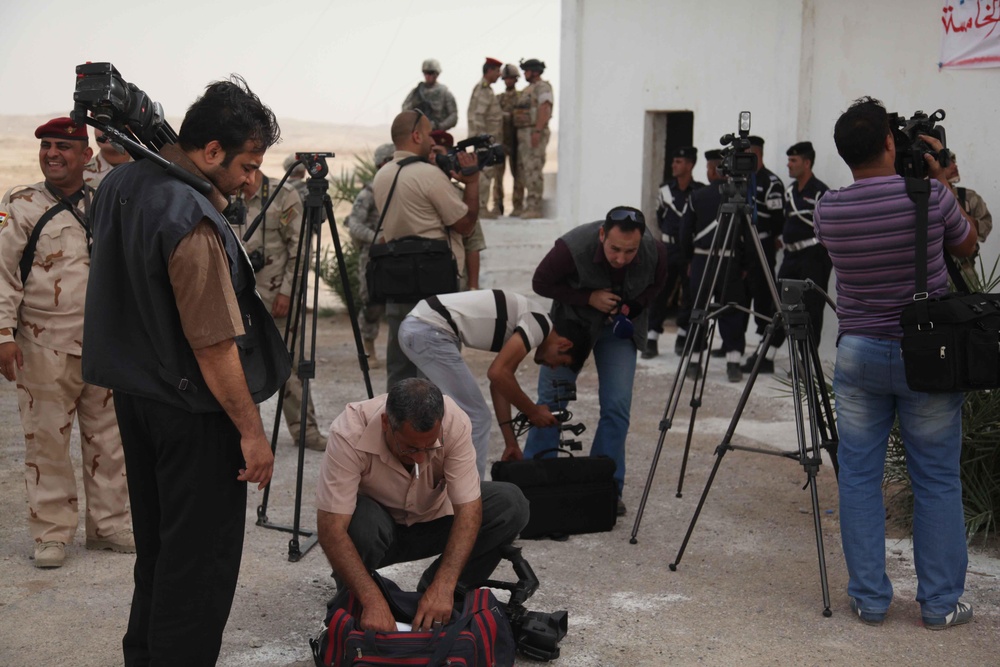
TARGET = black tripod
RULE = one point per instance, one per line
(316, 207)
(807, 374)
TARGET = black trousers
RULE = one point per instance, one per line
(188, 514)
(814, 264)
(758, 290)
(381, 541)
(733, 323)
(673, 295)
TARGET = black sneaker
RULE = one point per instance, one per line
(962, 613)
(718, 354)
(621, 508)
(694, 371)
(866, 617)
(733, 372)
(679, 345)
(652, 349)
(766, 366)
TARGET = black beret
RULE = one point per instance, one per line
(687, 152)
(713, 155)
(801, 148)
(755, 140)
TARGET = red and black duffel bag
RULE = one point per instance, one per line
(478, 635)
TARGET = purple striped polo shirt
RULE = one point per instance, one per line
(868, 228)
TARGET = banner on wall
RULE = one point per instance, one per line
(971, 34)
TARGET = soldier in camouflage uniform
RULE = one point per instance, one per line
(361, 224)
(41, 329)
(531, 118)
(107, 158)
(272, 250)
(486, 117)
(433, 99)
(508, 100)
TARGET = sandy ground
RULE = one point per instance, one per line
(746, 592)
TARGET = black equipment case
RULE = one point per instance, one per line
(568, 496)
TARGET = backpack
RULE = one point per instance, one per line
(478, 635)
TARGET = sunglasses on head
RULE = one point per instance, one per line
(626, 215)
(420, 114)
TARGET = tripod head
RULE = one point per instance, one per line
(738, 163)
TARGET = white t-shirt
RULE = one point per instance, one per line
(485, 320)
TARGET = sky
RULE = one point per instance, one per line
(336, 61)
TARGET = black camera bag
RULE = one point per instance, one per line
(411, 268)
(567, 496)
(477, 634)
(951, 342)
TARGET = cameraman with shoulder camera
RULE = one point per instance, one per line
(602, 275)
(177, 330)
(424, 204)
(868, 229)
(272, 250)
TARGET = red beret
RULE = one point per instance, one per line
(493, 62)
(62, 128)
(442, 138)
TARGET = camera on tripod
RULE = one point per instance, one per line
(737, 160)
(910, 149)
(487, 154)
(115, 103)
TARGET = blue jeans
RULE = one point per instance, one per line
(615, 361)
(871, 393)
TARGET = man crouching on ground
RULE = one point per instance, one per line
(399, 483)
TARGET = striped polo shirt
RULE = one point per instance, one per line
(869, 228)
(486, 319)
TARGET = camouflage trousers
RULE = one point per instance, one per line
(369, 314)
(518, 194)
(531, 162)
(486, 177)
(50, 392)
(291, 404)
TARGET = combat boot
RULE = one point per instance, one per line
(531, 214)
(652, 349)
(487, 214)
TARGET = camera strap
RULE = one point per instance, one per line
(402, 163)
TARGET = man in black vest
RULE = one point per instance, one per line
(602, 274)
(176, 329)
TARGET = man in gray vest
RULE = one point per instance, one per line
(602, 274)
(176, 329)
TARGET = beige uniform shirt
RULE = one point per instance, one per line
(358, 462)
(485, 114)
(425, 204)
(48, 307)
(532, 97)
(95, 170)
(278, 235)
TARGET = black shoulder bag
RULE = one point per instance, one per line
(951, 342)
(411, 268)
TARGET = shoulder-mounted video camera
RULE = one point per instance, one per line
(910, 149)
(737, 160)
(487, 153)
(127, 117)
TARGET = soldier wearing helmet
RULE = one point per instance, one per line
(433, 99)
(531, 118)
(508, 100)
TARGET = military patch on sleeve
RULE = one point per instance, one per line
(3, 218)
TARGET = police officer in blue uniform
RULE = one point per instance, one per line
(675, 197)
(770, 197)
(698, 226)
(804, 257)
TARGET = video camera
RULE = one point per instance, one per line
(910, 149)
(737, 160)
(487, 154)
(537, 634)
(127, 117)
(565, 391)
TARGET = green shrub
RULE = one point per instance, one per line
(345, 188)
